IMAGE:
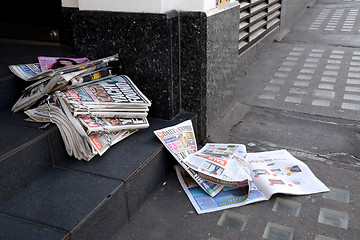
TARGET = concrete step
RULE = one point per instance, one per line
(48, 195)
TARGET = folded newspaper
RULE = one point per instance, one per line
(180, 141)
(266, 173)
(92, 108)
(222, 164)
(77, 142)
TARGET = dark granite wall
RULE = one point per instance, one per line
(183, 61)
(148, 46)
(193, 37)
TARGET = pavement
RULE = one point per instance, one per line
(302, 95)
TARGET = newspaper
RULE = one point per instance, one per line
(180, 141)
(77, 143)
(36, 92)
(229, 197)
(48, 63)
(272, 172)
(56, 81)
(91, 76)
(280, 172)
(26, 71)
(224, 164)
(32, 72)
(114, 92)
(107, 124)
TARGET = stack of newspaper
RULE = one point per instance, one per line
(221, 176)
(92, 108)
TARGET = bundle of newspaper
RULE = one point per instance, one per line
(92, 108)
(95, 116)
(77, 142)
(69, 73)
(108, 105)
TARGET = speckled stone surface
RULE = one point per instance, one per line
(193, 27)
(148, 47)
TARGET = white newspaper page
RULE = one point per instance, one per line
(221, 163)
(180, 141)
(26, 71)
(280, 172)
(229, 197)
(96, 125)
(115, 92)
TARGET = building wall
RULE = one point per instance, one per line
(292, 9)
(148, 6)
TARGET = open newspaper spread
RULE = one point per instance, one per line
(180, 141)
(224, 164)
(280, 172)
(272, 172)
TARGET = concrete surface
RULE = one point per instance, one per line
(302, 95)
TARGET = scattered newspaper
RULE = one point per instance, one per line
(229, 197)
(180, 141)
(272, 172)
(224, 164)
(280, 172)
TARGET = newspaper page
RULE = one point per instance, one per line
(107, 124)
(118, 91)
(111, 114)
(229, 197)
(37, 91)
(224, 164)
(76, 145)
(26, 71)
(48, 63)
(88, 77)
(180, 141)
(280, 172)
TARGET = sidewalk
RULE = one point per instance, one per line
(304, 96)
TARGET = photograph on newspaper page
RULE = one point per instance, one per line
(224, 164)
(229, 197)
(280, 172)
(118, 91)
(180, 141)
(48, 63)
